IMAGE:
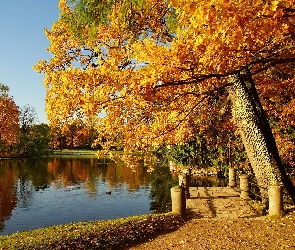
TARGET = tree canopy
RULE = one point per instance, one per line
(155, 68)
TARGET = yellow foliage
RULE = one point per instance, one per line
(151, 87)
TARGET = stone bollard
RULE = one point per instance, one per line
(178, 200)
(181, 180)
(187, 185)
(275, 197)
(244, 186)
(232, 177)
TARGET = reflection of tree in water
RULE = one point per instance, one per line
(26, 191)
(90, 171)
(18, 181)
(34, 172)
(118, 173)
(8, 189)
(32, 176)
(74, 171)
(161, 183)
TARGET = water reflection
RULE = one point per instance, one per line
(160, 194)
(57, 190)
(8, 198)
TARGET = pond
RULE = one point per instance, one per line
(58, 190)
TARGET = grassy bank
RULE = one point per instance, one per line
(89, 152)
(108, 234)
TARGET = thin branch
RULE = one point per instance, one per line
(184, 118)
(177, 96)
(200, 78)
(273, 63)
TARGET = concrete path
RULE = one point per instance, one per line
(218, 202)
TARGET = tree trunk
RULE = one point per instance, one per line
(257, 136)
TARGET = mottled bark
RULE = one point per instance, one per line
(256, 135)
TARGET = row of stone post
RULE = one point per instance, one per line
(275, 193)
(180, 193)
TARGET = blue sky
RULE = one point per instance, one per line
(22, 44)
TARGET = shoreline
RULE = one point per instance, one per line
(163, 232)
(73, 152)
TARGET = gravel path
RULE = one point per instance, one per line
(228, 234)
(221, 220)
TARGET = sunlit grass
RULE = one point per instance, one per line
(94, 235)
(74, 152)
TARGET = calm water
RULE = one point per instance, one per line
(56, 190)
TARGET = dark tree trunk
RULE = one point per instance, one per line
(257, 136)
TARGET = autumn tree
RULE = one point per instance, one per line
(9, 115)
(153, 68)
(8, 191)
(58, 139)
(77, 134)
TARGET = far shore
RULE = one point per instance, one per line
(74, 152)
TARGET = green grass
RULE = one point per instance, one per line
(94, 235)
(88, 153)
(74, 152)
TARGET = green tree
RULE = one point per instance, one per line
(35, 143)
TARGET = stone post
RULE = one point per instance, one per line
(275, 196)
(232, 177)
(244, 186)
(178, 200)
(181, 180)
(187, 185)
(184, 181)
